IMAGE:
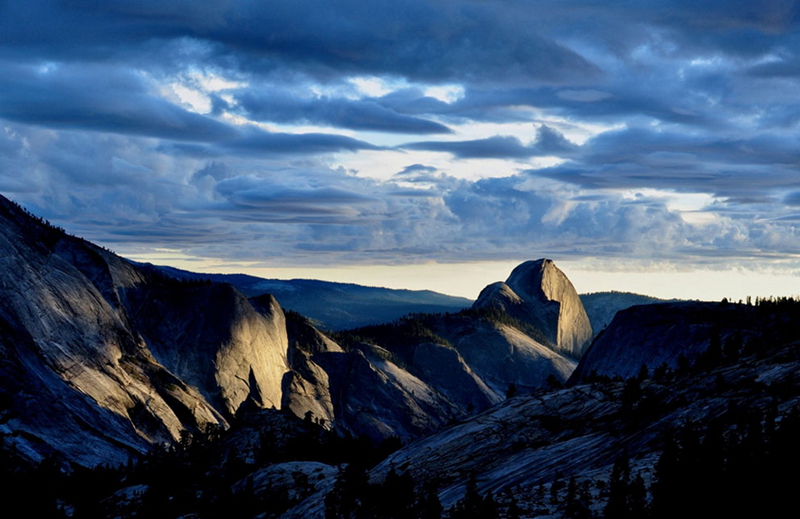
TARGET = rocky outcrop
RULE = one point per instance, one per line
(306, 387)
(123, 356)
(82, 381)
(127, 356)
(601, 307)
(444, 368)
(211, 337)
(525, 449)
(539, 294)
(377, 398)
(502, 356)
(656, 334)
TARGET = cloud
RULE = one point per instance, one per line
(240, 129)
(416, 39)
(296, 214)
(548, 142)
(415, 169)
(792, 198)
(259, 142)
(641, 158)
(87, 97)
(363, 114)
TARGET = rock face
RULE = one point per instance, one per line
(212, 338)
(601, 307)
(501, 355)
(539, 294)
(102, 359)
(656, 334)
(81, 380)
(306, 387)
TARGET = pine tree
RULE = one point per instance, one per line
(637, 498)
(618, 506)
(576, 507)
(473, 505)
(429, 506)
(514, 511)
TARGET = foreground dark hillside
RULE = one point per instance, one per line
(671, 333)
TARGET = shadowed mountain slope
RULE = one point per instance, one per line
(601, 307)
(689, 434)
(336, 306)
(122, 356)
(656, 334)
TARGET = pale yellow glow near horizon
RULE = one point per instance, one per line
(700, 284)
(468, 279)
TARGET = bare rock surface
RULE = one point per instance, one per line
(502, 355)
(212, 337)
(538, 293)
(523, 446)
(101, 358)
(661, 333)
(126, 356)
(91, 384)
(377, 398)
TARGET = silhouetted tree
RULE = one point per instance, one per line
(511, 392)
(618, 506)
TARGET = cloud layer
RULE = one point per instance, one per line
(319, 133)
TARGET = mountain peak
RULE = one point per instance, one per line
(530, 277)
(539, 293)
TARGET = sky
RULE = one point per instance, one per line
(649, 146)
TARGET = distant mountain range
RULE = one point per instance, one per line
(601, 307)
(336, 306)
(342, 306)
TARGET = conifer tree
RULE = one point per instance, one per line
(618, 499)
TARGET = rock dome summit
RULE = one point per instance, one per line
(538, 293)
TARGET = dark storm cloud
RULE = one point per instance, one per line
(415, 169)
(214, 170)
(118, 101)
(792, 198)
(426, 175)
(548, 142)
(98, 99)
(416, 39)
(678, 27)
(498, 46)
(642, 157)
(427, 193)
(363, 114)
(95, 134)
(257, 142)
(492, 147)
(255, 192)
(626, 97)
